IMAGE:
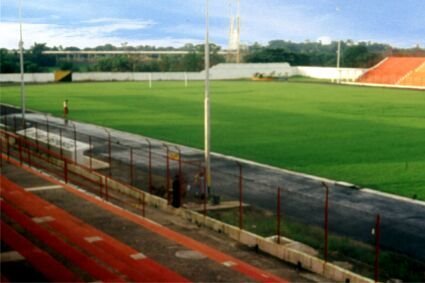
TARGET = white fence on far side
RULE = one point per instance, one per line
(218, 72)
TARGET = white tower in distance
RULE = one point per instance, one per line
(235, 30)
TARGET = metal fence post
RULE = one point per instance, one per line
(6, 123)
(1, 154)
(48, 133)
(150, 165)
(14, 124)
(278, 216)
(377, 239)
(110, 154)
(28, 146)
(106, 187)
(91, 153)
(101, 178)
(75, 143)
(204, 190)
(180, 176)
(25, 134)
(167, 181)
(131, 167)
(240, 196)
(325, 252)
(36, 136)
(20, 150)
(65, 170)
(7, 146)
(142, 202)
(60, 142)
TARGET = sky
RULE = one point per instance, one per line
(89, 23)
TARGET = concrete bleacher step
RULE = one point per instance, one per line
(42, 261)
(415, 77)
(127, 261)
(391, 70)
(75, 256)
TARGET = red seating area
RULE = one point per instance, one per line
(87, 252)
(416, 78)
(117, 264)
(392, 70)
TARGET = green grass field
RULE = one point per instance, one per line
(369, 136)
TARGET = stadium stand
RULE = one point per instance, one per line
(392, 70)
(415, 77)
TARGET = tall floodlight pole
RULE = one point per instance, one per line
(21, 59)
(207, 126)
(238, 51)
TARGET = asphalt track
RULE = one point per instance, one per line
(352, 211)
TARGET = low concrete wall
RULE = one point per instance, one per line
(28, 78)
(345, 74)
(281, 251)
(226, 71)
(108, 76)
(219, 72)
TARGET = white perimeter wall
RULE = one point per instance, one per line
(101, 76)
(345, 74)
(29, 78)
(219, 72)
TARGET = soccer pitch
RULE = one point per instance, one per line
(372, 137)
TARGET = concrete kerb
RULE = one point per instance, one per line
(385, 85)
(293, 256)
(321, 179)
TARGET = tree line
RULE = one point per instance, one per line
(361, 55)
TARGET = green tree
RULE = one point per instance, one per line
(9, 61)
(358, 56)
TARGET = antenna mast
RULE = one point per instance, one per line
(235, 29)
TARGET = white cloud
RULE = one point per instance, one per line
(325, 40)
(100, 32)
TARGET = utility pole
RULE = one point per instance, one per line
(338, 61)
(21, 59)
(207, 126)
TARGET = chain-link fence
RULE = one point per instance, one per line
(320, 217)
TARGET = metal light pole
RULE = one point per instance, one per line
(207, 126)
(338, 61)
(238, 54)
(338, 56)
(21, 59)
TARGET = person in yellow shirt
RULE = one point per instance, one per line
(65, 111)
